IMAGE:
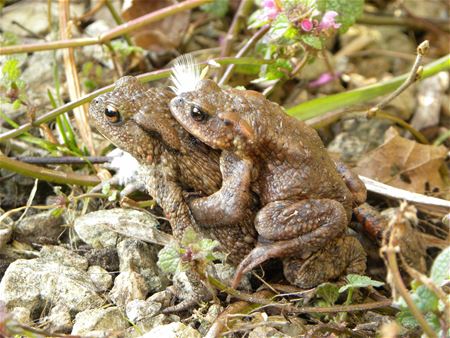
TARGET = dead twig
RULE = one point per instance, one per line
(389, 251)
(413, 76)
(422, 201)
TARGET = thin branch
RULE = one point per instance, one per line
(70, 160)
(413, 76)
(250, 43)
(241, 14)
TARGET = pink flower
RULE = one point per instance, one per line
(306, 25)
(328, 21)
(322, 80)
(271, 9)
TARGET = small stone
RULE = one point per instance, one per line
(22, 315)
(128, 285)
(107, 258)
(149, 323)
(99, 321)
(163, 297)
(100, 277)
(138, 310)
(61, 255)
(173, 330)
(59, 319)
(5, 234)
(37, 284)
(34, 228)
(140, 257)
(100, 229)
(266, 332)
(206, 321)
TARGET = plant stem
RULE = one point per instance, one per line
(46, 174)
(250, 43)
(414, 132)
(413, 76)
(114, 33)
(322, 105)
(442, 138)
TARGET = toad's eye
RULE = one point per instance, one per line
(113, 115)
(198, 114)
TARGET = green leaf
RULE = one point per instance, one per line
(279, 27)
(329, 292)
(358, 281)
(312, 41)
(189, 237)
(348, 11)
(218, 8)
(406, 319)
(207, 244)
(11, 70)
(440, 271)
(169, 258)
(277, 70)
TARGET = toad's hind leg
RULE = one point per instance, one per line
(294, 229)
(339, 258)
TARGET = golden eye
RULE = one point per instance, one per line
(197, 114)
(112, 115)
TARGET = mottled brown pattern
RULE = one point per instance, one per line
(175, 161)
(306, 202)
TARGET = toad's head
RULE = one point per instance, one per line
(213, 115)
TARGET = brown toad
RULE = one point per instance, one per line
(138, 120)
(306, 203)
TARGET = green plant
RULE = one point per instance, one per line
(192, 249)
(434, 308)
(299, 27)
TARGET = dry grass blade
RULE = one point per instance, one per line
(73, 81)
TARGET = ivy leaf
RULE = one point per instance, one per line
(329, 292)
(218, 8)
(169, 258)
(348, 11)
(312, 41)
(358, 281)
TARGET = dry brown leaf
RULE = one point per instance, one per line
(404, 164)
(159, 36)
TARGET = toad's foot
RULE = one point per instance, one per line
(339, 258)
(295, 228)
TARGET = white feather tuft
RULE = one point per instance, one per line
(185, 74)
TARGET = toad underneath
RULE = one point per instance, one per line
(306, 199)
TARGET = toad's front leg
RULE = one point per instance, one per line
(293, 229)
(231, 203)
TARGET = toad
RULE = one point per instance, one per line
(138, 121)
(306, 202)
